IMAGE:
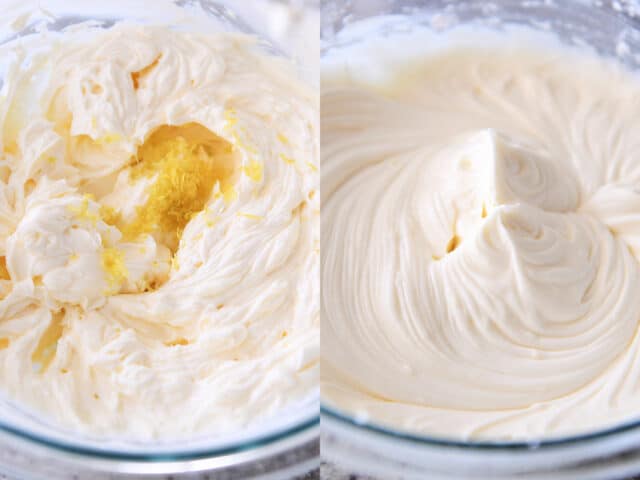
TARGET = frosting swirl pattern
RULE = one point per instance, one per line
(480, 243)
(159, 231)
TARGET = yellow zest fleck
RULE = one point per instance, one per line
(4, 343)
(73, 257)
(186, 161)
(284, 140)
(37, 280)
(112, 261)
(11, 148)
(229, 193)
(253, 170)
(175, 264)
(312, 166)
(4, 273)
(82, 211)
(109, 138)
(46, 349)
(51, 159)
(210, 223)
(287, 159)
(239, 142)
(250, 216)
(136, 76)
(110, 215)
(484, 211)
(230, 117)
(299, 209)
(5, 173)
(453, 243)
(177, 341)
(29, 185)
(230, 127)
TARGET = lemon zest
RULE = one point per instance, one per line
(250, 216)
(253, 170)
(112, 261)
(110, 215)
(4, 272)
(109, 138)
(45, 351)
(230, 117)
(283, 139)
(186, 162)
(287, 159)
(229, 193)
(136, 76)
(82, 211)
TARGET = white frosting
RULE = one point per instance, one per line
(215, 337)
(481, 239)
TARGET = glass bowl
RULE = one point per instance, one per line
(610, 28)
(283, 446)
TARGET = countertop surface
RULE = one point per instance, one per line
(329, 471)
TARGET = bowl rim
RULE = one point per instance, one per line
(194, 453)
(536, 443)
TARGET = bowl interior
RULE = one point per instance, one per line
(347, 28)
(183, 15)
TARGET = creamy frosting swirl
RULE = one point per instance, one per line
(480, 243)
(159, 230)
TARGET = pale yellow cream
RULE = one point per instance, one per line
(481, 240)
(159, 257)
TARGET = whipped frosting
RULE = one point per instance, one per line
(481, 240)
(159, 230)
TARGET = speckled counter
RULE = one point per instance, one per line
(329, 471)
